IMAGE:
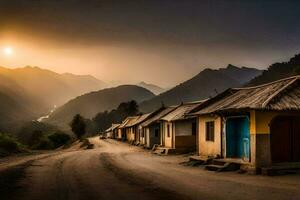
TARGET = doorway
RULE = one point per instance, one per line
(238, 137)
(285, 139)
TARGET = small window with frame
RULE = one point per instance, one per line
(210, 131)
(168, 130)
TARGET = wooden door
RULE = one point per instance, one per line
(285, 139)
(238, 137)
(296, 139)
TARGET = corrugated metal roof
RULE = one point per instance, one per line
(125, 122)
(279, 95)
(180, 112)
(141, 119)
(158, 116)
(113, 126)
(131, 121)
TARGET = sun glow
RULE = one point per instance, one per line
(8, 51)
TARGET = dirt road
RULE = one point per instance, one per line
(115, 170)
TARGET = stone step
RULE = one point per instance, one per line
(137, 143)
(159, 151)
(223, 168)
(218, 162)
(213, 167)
(200, 160)
(163, 150)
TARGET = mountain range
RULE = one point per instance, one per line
(278, 70)
(153, 88)
(26, 93)
(88, 105)
(206, 84)
(29, 92)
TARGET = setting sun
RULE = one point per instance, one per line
(8, 51)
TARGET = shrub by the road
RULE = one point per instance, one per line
(25, 134)
(59, 139)
(42, 141)
(9, 144)
(43, 144)
(39, 141)
(85, 143)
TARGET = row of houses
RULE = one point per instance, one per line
(257, 127)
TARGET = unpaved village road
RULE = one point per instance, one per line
(115, 170)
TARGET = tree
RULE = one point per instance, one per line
(35, 138)
(78, 126)
(103, 120)
(133, 108)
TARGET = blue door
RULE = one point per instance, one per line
(238, 137)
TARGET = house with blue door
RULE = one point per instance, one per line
(258, 127)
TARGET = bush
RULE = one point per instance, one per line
(8, 144)
(39, 141)
(35, 138)
(25, 134)
(59, 139)
(86, 144)
(43, 144)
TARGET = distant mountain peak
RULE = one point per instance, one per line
(278, 71)
(38, 89)
(230, 66)
(89, 104)
(205, 84)
(153, 88)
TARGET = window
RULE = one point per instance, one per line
(156, 132)
(194, 128)
(210, 131)
(168, 130)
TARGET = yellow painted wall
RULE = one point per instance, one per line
(130, 134)
(168, 140)
(147, 137)
(119, 133)
(140, 130)
(261, 120)
(209, 148)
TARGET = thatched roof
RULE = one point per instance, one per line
(180, 112)
(158, 116)
(279, 95)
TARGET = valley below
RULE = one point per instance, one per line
(116, 170)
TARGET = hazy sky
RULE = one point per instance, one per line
(158, 41)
